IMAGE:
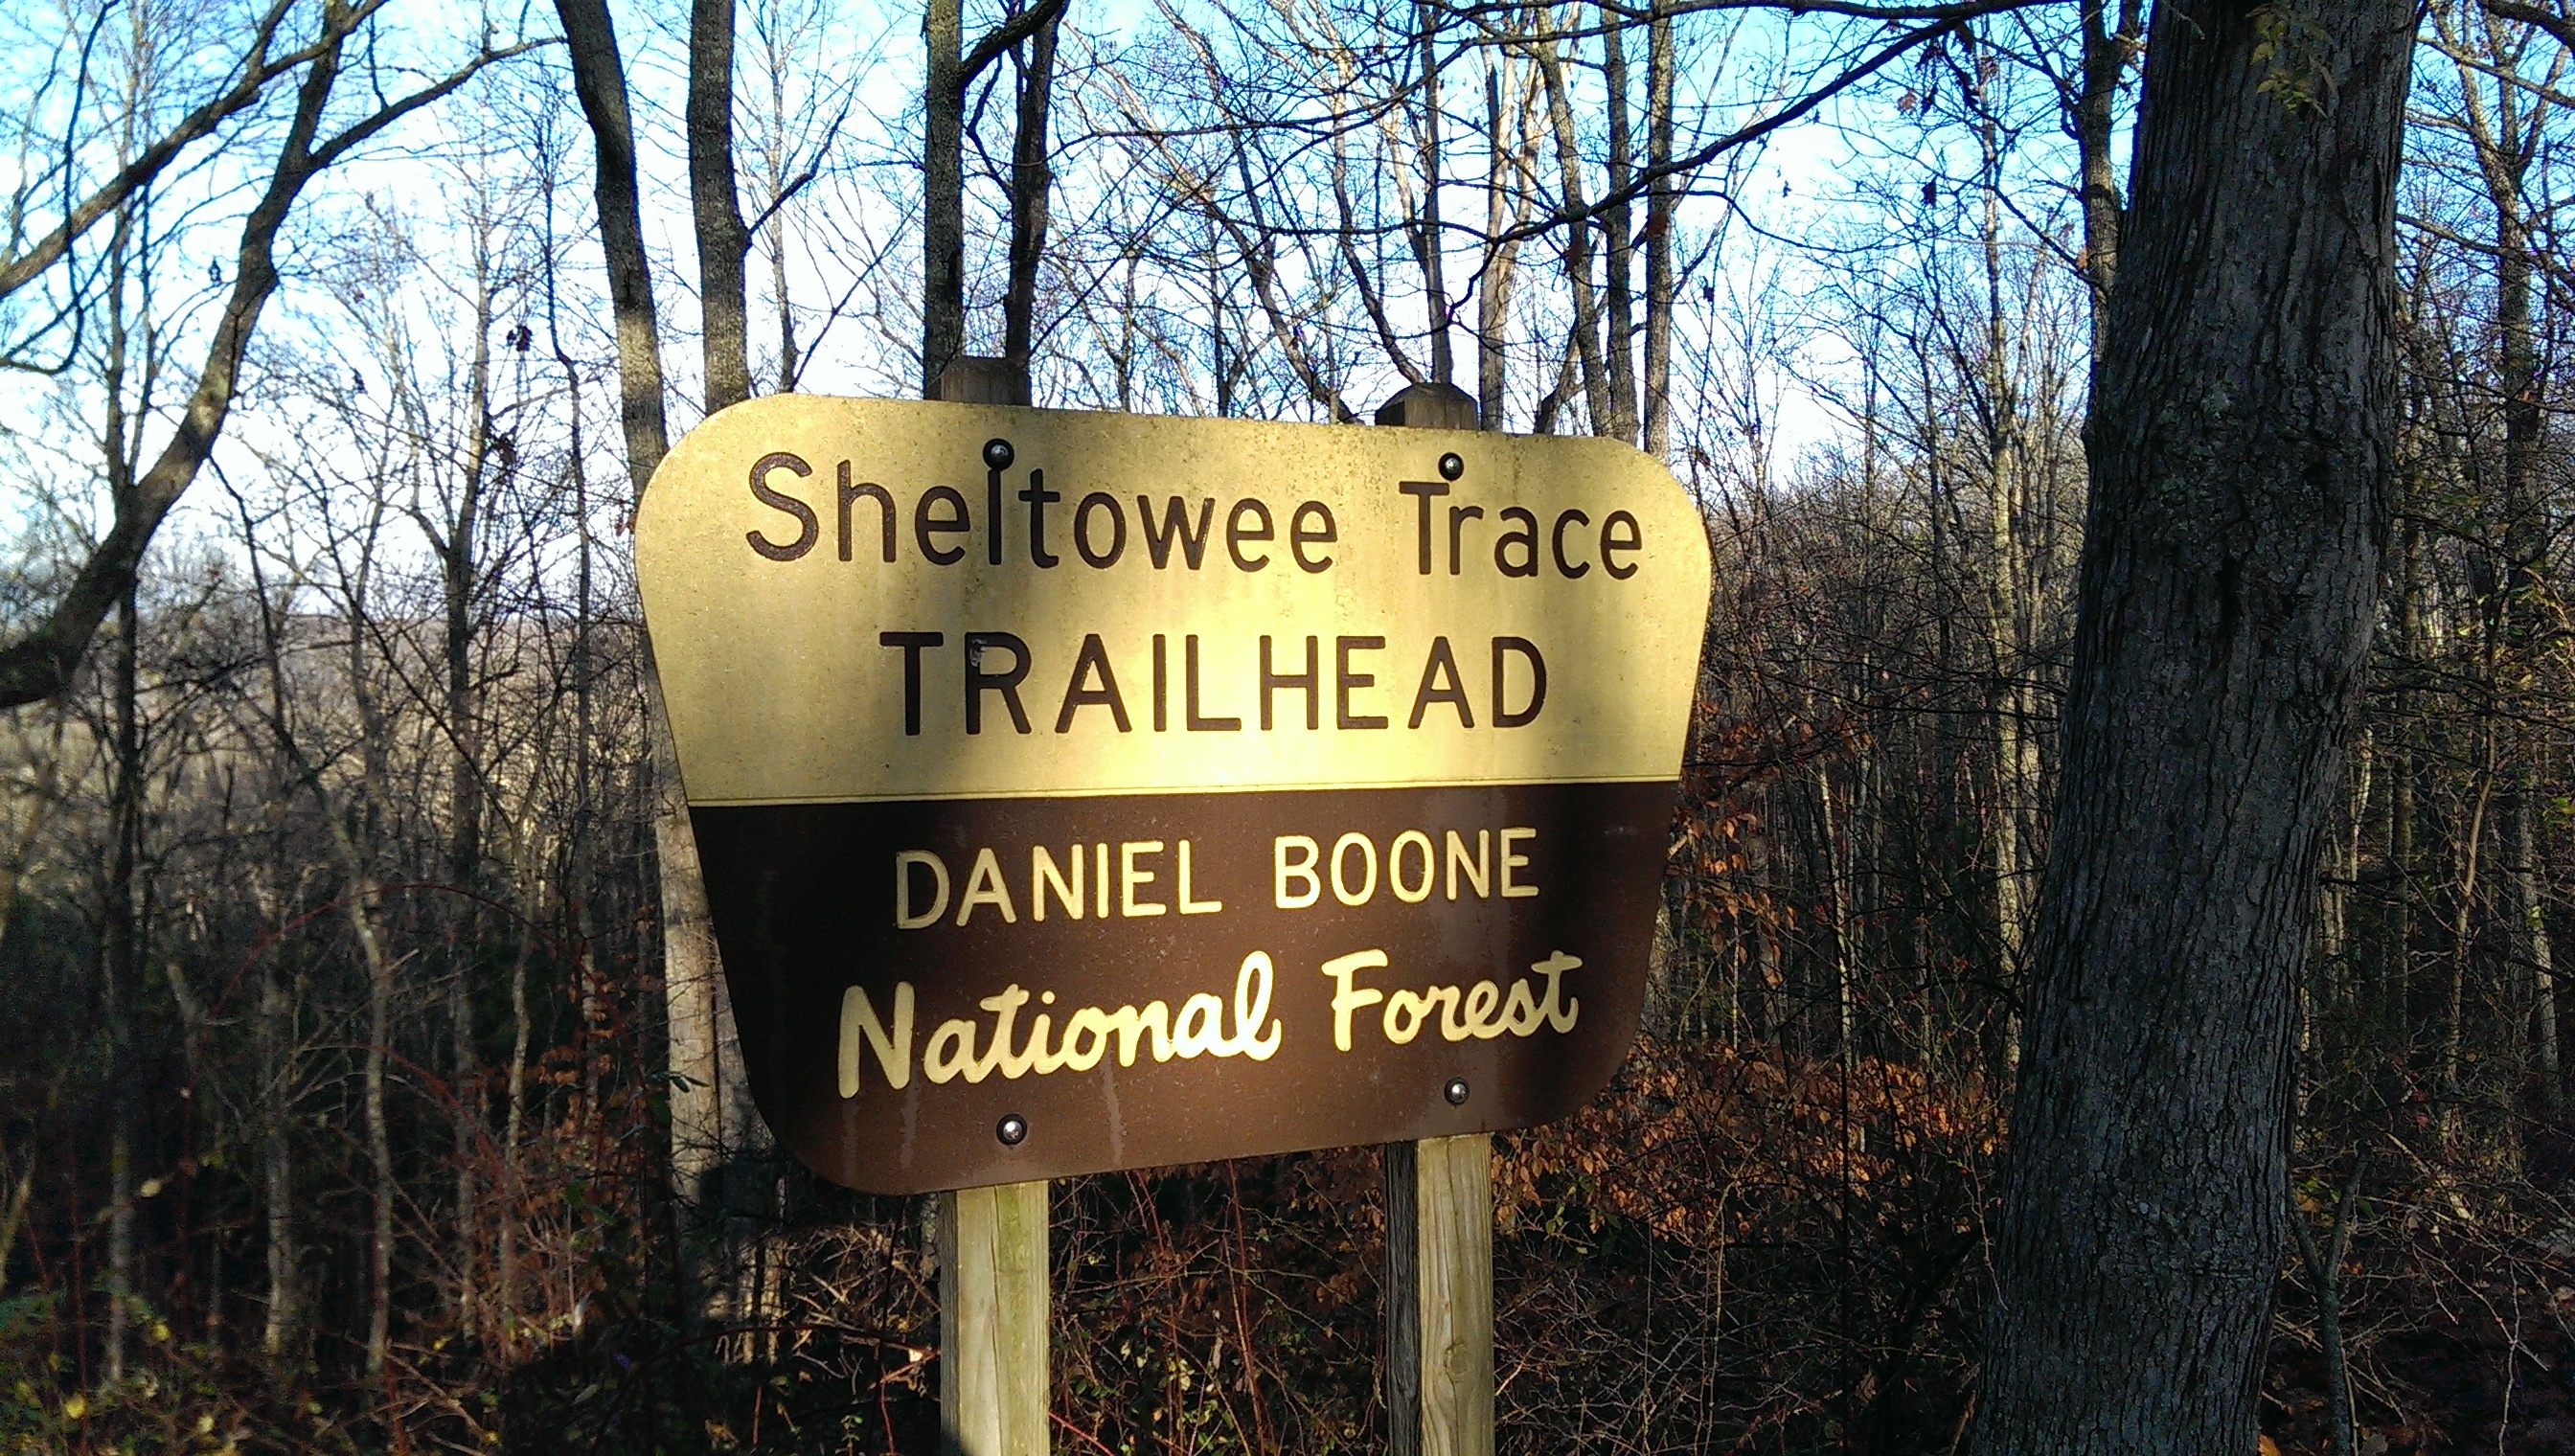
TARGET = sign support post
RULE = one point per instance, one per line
(1439, 1296)
(1438, 1209)
(995, 1371)
(992, 1357)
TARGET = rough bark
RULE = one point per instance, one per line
(1577, 239)
(780, 188)
(1618, 302)
(514, 1127)
(942, 201)
(723, 241)
(1429, 237)
(2096, 106)
(952, 69)
(379, 1148)
(122, 963)
(1662, 200)
(1493, 303)
(599, 82)
(1031, 179)
(280, 1331)
(725, 1171)
(694, 1008)
(2242, 481)
(2015, 775)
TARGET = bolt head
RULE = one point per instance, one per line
(1012, 1129)
(1455, 1091)
(1451, 466)
(997, 455)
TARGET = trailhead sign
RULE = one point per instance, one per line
(1079, 791)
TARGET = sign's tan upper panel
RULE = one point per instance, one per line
(869, 599)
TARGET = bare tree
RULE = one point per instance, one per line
(40, 663)
(2214, 679)
(952, 72)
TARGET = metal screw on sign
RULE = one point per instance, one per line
(997, 455)
(1012, 1129)
(1455, 1091)
(1452, 467)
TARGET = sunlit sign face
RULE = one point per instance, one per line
(1080, 791)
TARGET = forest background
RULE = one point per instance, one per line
(367, 1089)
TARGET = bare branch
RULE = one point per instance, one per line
(1003, 36)
(256, 72)
(41, 664)
(2559, 25)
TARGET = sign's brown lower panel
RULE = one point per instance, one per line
(1492, 935)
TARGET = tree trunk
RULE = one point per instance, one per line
(1493, 303)
(1031, 179)
(1662, 200)
(723, 242)
(2468, 846)
(2324, 1277)
(2241, 482)
(599, 81)
(952, 69)
(39, 663)
(279, 1333)
(2506, 137)
(577, 875)
(692, 975)
(514, 1127)
(2534, 957)
(2096, 120)
(1618, 280)
(116, 988)
(692, 996)
(779, 133)
(943, 196)
(42, 800)
(1585, 339)
(2396, 989)
(465, 1123)
(1428, 239)
(2008, 698)
(379, 1148)
(461, 574)
(13, 1218)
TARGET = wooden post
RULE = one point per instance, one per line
(995, 1375)
(1438, 1209)
(1429, 407)
(976, 378)
(1439, 1296)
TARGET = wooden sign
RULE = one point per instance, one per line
(1083, 792)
